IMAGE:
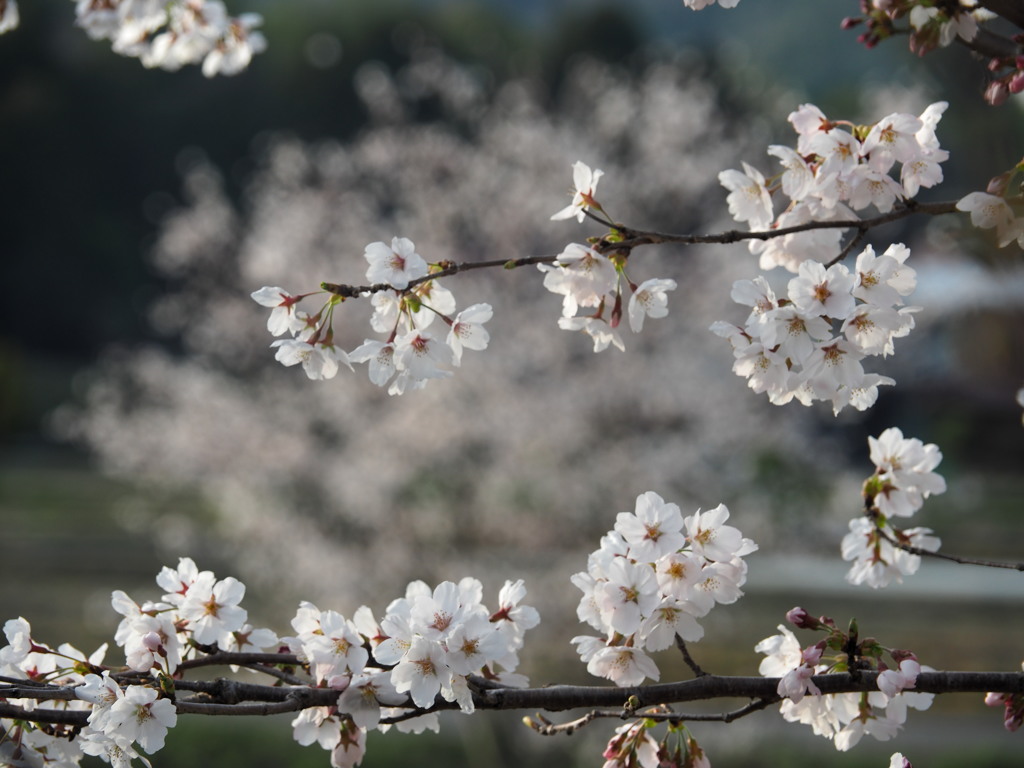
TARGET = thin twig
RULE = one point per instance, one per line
(545, 727)
(951, 558)
(634, 238)
(848, 248)
(681, 645)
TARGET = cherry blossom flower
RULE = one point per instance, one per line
(319, 360)
(808, 121)
(649, 300)
(876, 562)
(283, 318)
(782, 653)
(176, 581)
(883, 280)
(337, 649)
(602, 334)
(317, 725)
(629, 594)
(653, 529)
(381, 357)
(678, 574)
(396, 265)
(756, 294)
(234, 50)
(798, 179)
(892, 681)
(671, 618)
(365, 694)
(869, 186)
(748, 198)
(892, 139)
(582, 275)
(211, 608)
(351, 746)
(19, 643)
(141, 717)
(623, 665)
(820, 291)
(991, 211)
(905, 468)
(421, 355)
(511, 618)
(585, 183)
(467, 330)
(712, 539)
(421, 672)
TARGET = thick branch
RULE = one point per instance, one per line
(563, 697)
(227, 697)
(1011, 10)
(992, 46)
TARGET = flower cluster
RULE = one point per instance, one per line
(810, 345)
(413, 352)
(586, 278)
(903, 479)
(429, 643)
(174, 34)
(843, 718)
(932, 25)
(831, 173)
(655, 574)
(197, 610)
(119, 720)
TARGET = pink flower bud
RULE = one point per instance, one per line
(1017, 82)
(151, 642)
(997, 184)
(996, 93)
(339, 682)
(801, 619)
(901, 656)
(994, 699)
(811, 655)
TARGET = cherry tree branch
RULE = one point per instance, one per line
(1011, 10)
(992, 46)
(623, 239)
(634, 238)
(230, 698)
(952, 558)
